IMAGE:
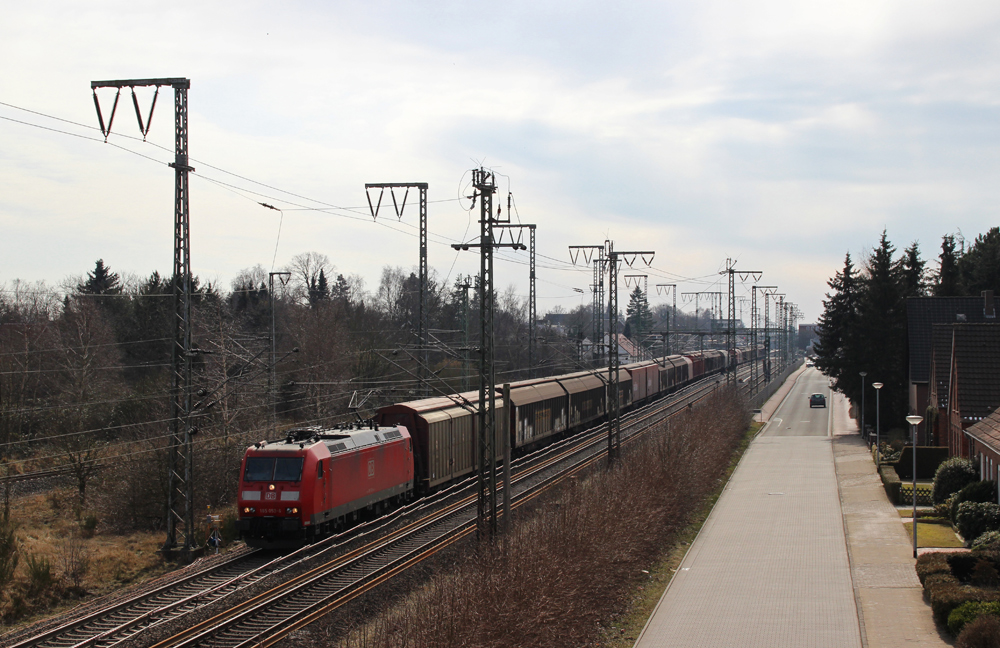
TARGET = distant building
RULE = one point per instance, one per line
(628, 351)
(808, 335)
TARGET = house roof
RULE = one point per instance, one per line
(940, 365)
(977, 356)
(922, 313)
(987, 431)
(628, 346)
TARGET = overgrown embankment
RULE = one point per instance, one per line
(566, 570)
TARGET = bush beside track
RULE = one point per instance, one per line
(568, 569)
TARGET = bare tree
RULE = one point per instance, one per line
(305, 269)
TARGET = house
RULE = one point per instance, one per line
(628, 351)
(973, 391)
(937, 385)
(984, 447)
(922, 313)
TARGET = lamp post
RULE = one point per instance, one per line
(914, 421)
(878, 444)
(863, 374)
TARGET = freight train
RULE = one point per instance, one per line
(317, 481)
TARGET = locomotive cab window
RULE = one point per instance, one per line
(274, 469)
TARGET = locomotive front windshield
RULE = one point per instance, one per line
(274, 469)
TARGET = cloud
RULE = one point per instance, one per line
(780, 133)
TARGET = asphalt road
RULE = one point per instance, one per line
(794, 417)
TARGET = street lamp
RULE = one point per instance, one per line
(878, 445)
(863, 374)
(914, 421)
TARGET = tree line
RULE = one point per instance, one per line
(86, 368)
(863, 325)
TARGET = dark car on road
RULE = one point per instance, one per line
(817, 400)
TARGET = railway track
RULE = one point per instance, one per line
(377, 556)
(272, 615)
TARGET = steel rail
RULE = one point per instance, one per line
(125, 619)
(291, 605)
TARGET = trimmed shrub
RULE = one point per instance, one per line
(961, 565)
(989, 541)
(976, 518)
(984, 632)
(947, 593)
(984, 573)
(951, 476)
(980, 491)
(932, 563)
(968, 612)
(891, 482)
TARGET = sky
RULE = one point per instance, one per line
(779, 134)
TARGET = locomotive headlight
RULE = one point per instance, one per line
(292, 510)
(249, 509)
(270, 487)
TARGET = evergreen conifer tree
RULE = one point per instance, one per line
(980, 265)
(836, 326)
(911, 272)
(639, 318)
(949, 278)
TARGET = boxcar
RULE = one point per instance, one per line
(539, 409)
(444, 432)
(587, 397)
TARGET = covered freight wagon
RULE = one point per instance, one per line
(444, 432)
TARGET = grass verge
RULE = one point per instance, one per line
(933, 535)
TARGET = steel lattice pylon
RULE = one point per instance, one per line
(614, 391)
(484, 183)
(399, 207)
(180, 491)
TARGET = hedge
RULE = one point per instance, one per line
(891, 482)
(940, 575)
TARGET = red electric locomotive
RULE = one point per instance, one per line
(315, 481)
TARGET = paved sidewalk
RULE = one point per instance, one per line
(802, 549)
(891, 601)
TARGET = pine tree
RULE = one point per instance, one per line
(341, 291)
(639, 317)
(881, 348)
(101, 281)
(911, 272)
(949, 278)
(980, 265)
(837, 326)
(319, 291)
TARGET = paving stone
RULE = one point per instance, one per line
(800, 538)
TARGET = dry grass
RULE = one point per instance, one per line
(566, 575)
(82, 567)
